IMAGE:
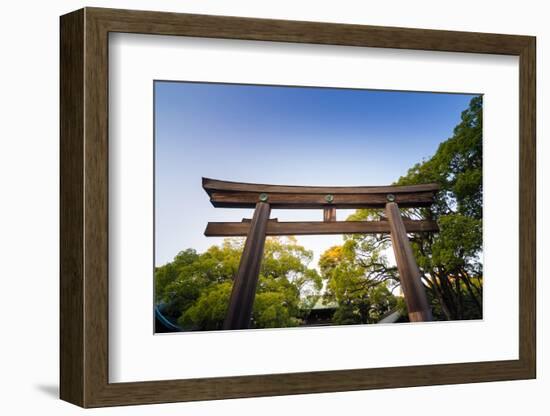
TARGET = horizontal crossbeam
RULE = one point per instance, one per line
(226, 194)
(274, 227)
(316, 201)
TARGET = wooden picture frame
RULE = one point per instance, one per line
(84, 207)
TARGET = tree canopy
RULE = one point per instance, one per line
(358, 277)
(195, 288)
(450, 261)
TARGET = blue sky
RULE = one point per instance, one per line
(282, 135)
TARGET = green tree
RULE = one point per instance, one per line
(357, 276)
(195, 288)
(357, 286)
(451, 260)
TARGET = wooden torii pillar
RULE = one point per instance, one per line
(263, 198)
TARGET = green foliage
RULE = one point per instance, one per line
(450, 260)
(351, 284)
(195, 288)
(356, 277)
(457, 167)
(458, 243)
(208, 311)
(275, 309)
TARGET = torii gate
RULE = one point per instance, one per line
(263, 198)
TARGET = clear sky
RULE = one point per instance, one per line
(282, 135)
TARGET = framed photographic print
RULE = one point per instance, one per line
(255, 207)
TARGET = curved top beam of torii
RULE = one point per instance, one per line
(228, 194)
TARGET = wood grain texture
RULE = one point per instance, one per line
(243, 292)
(218, 186)
(84, 213)
(409, 274)
(96, 210)
(71, 343)
(310, 382)
(226, 27)
(329, 214)
(236, 229)
(527, 209)
(316, 201)
(226, 194)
